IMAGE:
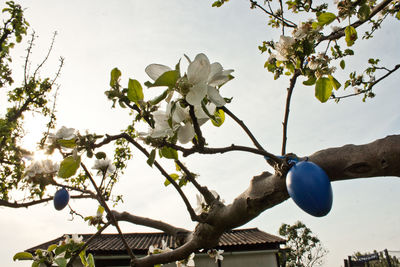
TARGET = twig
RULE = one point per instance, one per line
(128, 138)
(371, 84)
(287, 110)
(46, 57)
(113, 220)
(340, 33)
(5, 203)
(208, 196)
(284, 21)
(244, 127)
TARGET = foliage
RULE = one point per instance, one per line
(304, 248)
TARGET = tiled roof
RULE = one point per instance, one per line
(234, 240)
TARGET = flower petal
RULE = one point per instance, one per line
(186, 133)
(156, 70)
(198, 69)
(215, 97)
(201, 116)
(215, 69)
(196, 94)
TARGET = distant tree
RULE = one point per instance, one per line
(304, 248)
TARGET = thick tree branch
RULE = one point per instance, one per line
(160, 225)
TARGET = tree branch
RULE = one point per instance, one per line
(340, 33)
(160, 225)
(128, 138)
(371, 85)
(113, 220)
(244, 127)
(8, 204)
(287, 110)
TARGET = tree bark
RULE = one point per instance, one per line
(379, 158)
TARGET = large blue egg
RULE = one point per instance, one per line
(61, 199)
(310, 188)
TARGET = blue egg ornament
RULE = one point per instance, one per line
(310, 188)
(61, 199)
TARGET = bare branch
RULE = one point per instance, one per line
(104, 204)
(208, 196)
(284, 21)
(287, 109)
(244, 127)
(160, 225)
(16, 204)
(128, 138)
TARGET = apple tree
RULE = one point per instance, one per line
(308, 51)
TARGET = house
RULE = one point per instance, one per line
(242, 247)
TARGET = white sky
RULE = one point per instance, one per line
(96, 36)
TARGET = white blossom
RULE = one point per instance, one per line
(284, 48)
(63, 133)
(204, 78)
(156, 70)
(153, 249)
(41, 167)
(104, 166)
(216, 254)
(189, 262)
(202, 206)
(75, 238)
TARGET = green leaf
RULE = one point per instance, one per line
(219, 116)
(351, 35)
(398, 15)
(23, 256)
(62, 262)
(323, 89)
(35, 264)
(100, 209)
(342, 64)
(100, 155)
(69, 166)
(82, 255)
(135, 91)
(326, 18)
(67, 143)
(152, 157)
(52, 247)
(169, 153)
(168, 78)
(363, 12)
(311, 80)
(159, 98)
(90, 260)
(174, 176)
(115, 74)
(60, 249)
(334, 82)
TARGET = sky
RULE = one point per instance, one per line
(96, 36)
